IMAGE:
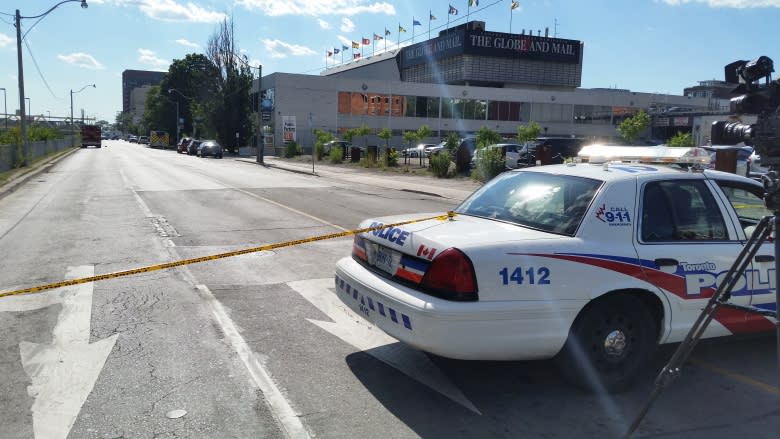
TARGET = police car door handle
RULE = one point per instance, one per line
(666, 262)
(765, 258)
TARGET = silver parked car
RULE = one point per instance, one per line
(210, 147)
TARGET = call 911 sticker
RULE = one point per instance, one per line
(614, 216)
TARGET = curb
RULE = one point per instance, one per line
(38, 169)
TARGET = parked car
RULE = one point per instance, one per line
(181, 147)
(192, 147)
(414, 152)
(515, 155)
(435, 149)
(132, 139)
(333, 143)
(210, 147)
(143, 140)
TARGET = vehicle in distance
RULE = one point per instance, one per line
(515, 155)
(593, 264)
(132, 138)
(337, 143)
(143, 140)
(417, 151)
(192, 147)
(91, 135)
(181, 147)
(210, 148)
(159, 139)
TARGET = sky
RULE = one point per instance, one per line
(654, 46)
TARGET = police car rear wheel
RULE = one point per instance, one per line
(609, 344)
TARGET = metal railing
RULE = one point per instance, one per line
(37, 149)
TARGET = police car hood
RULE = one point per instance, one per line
(460, 231)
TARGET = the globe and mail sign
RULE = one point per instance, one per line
(468, 53)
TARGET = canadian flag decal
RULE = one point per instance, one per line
(426, 252)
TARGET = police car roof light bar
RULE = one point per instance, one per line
(672, 369)
(660, 154)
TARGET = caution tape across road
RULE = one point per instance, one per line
(182, 262)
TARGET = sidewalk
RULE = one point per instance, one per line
(453, 188)
(21, 176)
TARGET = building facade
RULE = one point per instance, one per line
(460, 81)
(132, 79)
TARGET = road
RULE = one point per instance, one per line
(257, 345)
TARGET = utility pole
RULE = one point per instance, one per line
(22, 119)
(261, 140)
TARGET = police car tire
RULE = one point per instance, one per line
(584, 360)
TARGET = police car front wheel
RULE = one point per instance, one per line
(609, 344)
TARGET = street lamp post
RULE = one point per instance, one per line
(178, 126)
(18, 24)
(73, 131)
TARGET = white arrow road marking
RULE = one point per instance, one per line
(63, 372)
(366, 337)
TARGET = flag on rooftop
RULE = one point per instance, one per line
(473, 2)
(387, 32)
(431, 16)
(515, 5)
(335, 51)
(453, 10)
(401, 28)
(377, 37)
(366, 41)
(355, 45)
(415, 22)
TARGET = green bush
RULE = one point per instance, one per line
(440, 165)
(291, 150)
(490, 162)
(319, 151)
(336, 155)
(390, 157)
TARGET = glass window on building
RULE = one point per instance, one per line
(552, 112)
(344, 102)
(592, 114)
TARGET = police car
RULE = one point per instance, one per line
(593, 263)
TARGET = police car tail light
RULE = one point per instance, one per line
(359, 248)
(451, 276)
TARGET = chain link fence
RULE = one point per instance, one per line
(37, 149)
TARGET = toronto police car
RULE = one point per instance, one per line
(594, 264)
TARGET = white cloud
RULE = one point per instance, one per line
(5, 40)
(172, 10)
(280, 49)
(149, 58)
(344, 40)
(82, 60)
(187, 43)
(323, 24)
(738, 4)
(347, 25)
(318, 7)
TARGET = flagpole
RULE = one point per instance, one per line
(385, 39)
(412, 29)
(429, 24)
(448, 21)
(399, 34)
(511, 14)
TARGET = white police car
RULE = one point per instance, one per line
(593, 264)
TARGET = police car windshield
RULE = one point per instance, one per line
(541, 201)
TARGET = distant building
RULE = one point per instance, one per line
(461, 80)
(718, 93)
(132, 79)
(137, 102)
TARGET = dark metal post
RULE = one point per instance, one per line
(5, 108)
(23, 116)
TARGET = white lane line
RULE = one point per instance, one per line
(281, 409)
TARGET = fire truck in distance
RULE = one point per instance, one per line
(159, 139)
(91, 136)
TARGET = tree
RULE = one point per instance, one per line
(452, 141)
(423, 132)
(230, 110)
(526, 133)
(634, 126)
(192, 82)
(409, 137)
(385, 134)
(681, 139)
(159, 111)
(363, 131)
(486, 136)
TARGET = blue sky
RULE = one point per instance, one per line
(643, 45)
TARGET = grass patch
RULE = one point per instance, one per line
(18, 172)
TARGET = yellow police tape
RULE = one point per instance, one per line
(83, 280)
